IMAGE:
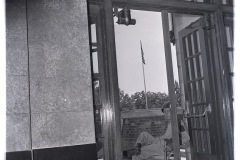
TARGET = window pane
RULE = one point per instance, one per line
(230, 57)
(195, 42)
(224, 1)
(193, 45)
(190, 45)
(201, 67)
(187, 46)
(93, 33)
(232, 80)
(198, 92)
(198, 67)
(189, 69)
(208, 140)
(198, 41)
(97, 98)
(229, 37)
(95, 62)
(203, 91)
(192, 93)
(199, 0)
(195, 67)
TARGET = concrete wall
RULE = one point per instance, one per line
(54, 87)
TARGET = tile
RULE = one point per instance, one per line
(18, 136)
(58, 39)
(79, 152)
(17, 94)
(60, 94)
(62, 129)
(16, 38)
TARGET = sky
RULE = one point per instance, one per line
(148, 29)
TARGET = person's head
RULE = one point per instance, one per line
(166, 110)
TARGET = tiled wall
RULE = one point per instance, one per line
(51, 91)
(60, 74)
(18, 117)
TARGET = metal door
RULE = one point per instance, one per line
(196, 74)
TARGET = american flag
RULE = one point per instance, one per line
(143, 60)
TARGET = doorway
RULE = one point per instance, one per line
(201, 129)
(142, 77)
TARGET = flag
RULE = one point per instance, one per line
(143, 60)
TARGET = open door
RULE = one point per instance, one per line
(198, 94)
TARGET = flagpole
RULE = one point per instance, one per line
(145, 87)
(144, 76)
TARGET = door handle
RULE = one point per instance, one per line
(208, 109)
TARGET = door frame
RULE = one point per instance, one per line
(111, 112)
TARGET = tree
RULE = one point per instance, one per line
(138, 100)
(125, 101)
(177, 93)
(155, 99)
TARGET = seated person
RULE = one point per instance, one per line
(148, 146)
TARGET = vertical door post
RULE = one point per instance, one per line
(111, 107)
(171, 90)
